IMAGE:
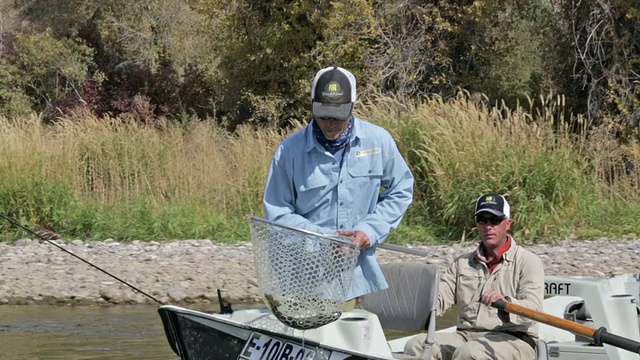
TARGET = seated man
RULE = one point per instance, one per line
(498, 270)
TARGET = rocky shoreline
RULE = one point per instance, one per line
(190, 271)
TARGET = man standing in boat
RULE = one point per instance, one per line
(498, 269)
(340, 175)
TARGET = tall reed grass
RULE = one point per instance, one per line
(95, 178)
(110, 178)
(561, 179)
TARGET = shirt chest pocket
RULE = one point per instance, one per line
(312, 183)
(366, 171)
(468, 284)
(311, 190)
(505, 281)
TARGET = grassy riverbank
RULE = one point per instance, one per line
(98, 179)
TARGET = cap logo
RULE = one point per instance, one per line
(489, 198)
(332, 90)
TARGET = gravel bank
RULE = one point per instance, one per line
(190, 271)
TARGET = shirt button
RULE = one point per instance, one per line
(341, 226)
(340, 181)
(333, 163)
(341, 203)
(370, 171)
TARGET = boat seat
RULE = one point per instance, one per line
(409, 303)
(542, 353)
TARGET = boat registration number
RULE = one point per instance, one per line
(264, 347)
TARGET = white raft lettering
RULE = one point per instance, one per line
(556, 288)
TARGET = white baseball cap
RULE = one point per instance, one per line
(333, 93)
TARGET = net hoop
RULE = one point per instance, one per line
(304, 277)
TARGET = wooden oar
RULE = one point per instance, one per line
(599, 336)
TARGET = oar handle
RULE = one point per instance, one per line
(604, 337)
(599, 336)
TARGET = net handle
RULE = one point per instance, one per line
(336, 238)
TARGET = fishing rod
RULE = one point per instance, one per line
(599, 336)
(17, 224)
(402, 249)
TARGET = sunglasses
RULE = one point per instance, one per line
(494, 220)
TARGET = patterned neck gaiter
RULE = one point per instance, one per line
(333, 146)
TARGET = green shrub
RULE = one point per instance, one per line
(51, 68)
(34, 202)
(14, 102)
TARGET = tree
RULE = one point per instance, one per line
(606, 67)
(52, 69)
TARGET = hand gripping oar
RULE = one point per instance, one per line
(599, 336)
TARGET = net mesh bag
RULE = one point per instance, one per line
(304, 277)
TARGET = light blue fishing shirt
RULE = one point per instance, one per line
(368, 189)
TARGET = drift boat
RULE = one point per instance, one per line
(256, 334)
(305, 278)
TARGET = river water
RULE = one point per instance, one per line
(91, 332)
(82, 332)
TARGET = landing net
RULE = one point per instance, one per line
(304, 277)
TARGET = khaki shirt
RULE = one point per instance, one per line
(519, 276)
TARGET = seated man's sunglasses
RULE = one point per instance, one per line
(493, 220)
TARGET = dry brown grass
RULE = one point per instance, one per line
(111, 161)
